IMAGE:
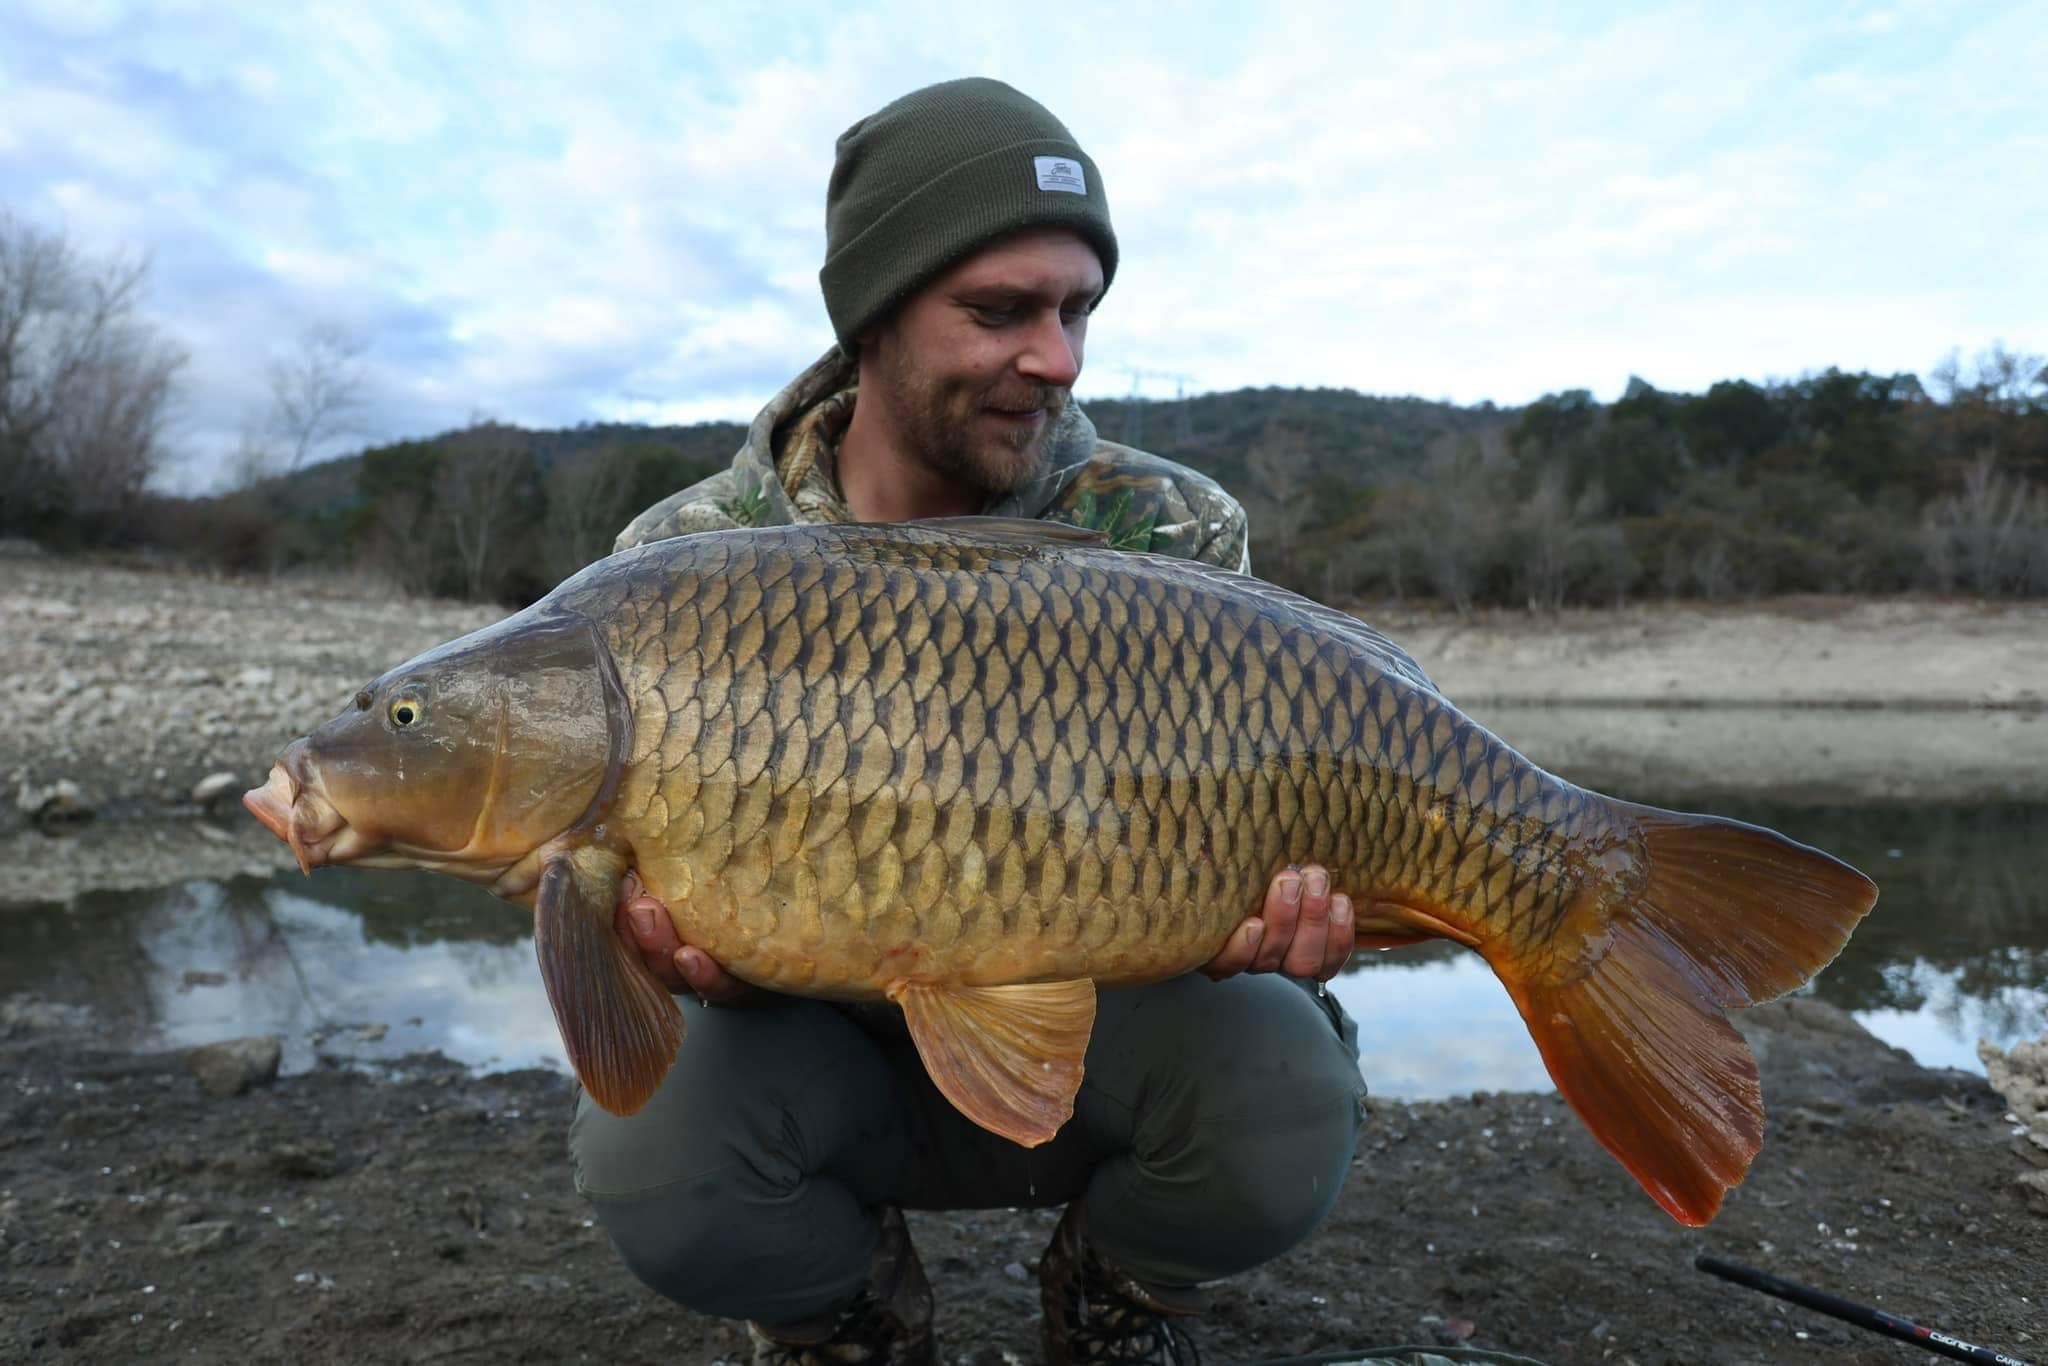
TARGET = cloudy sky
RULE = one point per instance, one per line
(559, 213)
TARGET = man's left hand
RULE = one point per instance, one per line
(1304, 930)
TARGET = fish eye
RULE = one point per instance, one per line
(406, 711)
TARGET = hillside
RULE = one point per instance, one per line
(1835, 482)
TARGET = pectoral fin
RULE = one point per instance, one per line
(620, 1025)
(1009, 1057)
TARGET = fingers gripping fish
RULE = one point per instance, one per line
(979, 767)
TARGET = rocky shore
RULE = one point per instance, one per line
(122, 691)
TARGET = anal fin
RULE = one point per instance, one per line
(1008, 1057)
(621, 1027)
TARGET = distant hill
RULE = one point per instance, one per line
(1342, 435)
(709, 444)
(1831, 482)
(1352, 438)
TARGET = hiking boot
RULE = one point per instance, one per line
(1097, 1314)
(888, 1321)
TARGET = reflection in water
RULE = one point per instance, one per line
(349, 965)
(367, 966)
(1956, 950)
(1434, 1021)
(318, 973)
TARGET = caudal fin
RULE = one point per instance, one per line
(1725, 914)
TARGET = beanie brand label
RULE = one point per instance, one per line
(1061, 173)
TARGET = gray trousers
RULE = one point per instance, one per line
(1212, 1132)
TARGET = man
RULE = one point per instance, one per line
(968, 241)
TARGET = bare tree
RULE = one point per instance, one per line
(1377, 559)
(1549, 529)
(476, 502)
(1277, 501)
(1713, 573)
(1461, 524)
(316, 393)
(86, 384)
(1611, 567)
(105, 437)
(399, 541)
(585, 503)
(254, 459)
(1985, 533)
(1674, 569)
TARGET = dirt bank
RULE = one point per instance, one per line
(1791, 651)
(135, 685)
(428, 1217)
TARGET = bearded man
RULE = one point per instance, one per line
(967, 243)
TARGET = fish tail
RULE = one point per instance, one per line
(1714, 914)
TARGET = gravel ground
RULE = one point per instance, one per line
(428, 1216)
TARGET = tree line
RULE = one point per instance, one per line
(1836, 482)
(1827, 483)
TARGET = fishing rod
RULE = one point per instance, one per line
(1876, 1320)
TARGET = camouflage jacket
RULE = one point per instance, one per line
(784, 475)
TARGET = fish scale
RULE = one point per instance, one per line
(1190, 692)
(976, 768)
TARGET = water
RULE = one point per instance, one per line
(362, 967)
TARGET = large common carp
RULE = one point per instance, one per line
(975, 767)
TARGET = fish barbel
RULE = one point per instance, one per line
(976, 767)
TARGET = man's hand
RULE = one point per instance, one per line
(643, 922)
(1304, 931)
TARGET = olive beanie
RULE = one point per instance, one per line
(932, 177)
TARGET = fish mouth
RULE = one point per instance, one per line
(296, 813)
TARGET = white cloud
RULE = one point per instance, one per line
(555, 216)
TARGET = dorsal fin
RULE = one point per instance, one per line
(1015, 529)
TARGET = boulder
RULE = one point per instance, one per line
(230, 1068)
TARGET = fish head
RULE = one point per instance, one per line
(464, 759)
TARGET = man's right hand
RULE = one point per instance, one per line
(643, 922)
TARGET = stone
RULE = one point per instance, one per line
(230, 1068)
(2020, 1075)
(63, 800)
(308, 1159)
(214, 786)
(189, 1240)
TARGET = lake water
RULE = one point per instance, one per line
(360, 967)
